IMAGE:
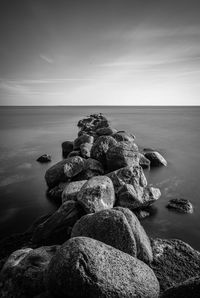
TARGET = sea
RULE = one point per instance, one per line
(28, 132)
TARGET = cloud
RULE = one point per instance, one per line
(46, 58)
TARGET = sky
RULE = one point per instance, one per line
(99, 52)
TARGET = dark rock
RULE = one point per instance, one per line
(84, 267)
(180, 205)
(156, 159)
(55, 174)
(73, 166)
(143, 161)
(187, 289)
(55, 193)
(86, 149)
(97, 194)
(92, 167)
(144, 250)
(90, 124)
(57, 228)
(85, 138)
(44, 158)
(122, 136)
(100, 147)
(174, 262)
(67, 147)
(23, 274)
(71, 190)
(74, 153)
(108, 226)
(148, 149)
(105, 131)
(121, 155)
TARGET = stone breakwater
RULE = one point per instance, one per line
(94, 244)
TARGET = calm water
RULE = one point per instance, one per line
(26, 133)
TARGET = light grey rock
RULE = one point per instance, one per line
(71, 190)
(156, 159)
(73, 166)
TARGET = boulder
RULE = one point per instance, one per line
(85, 149)
(71, 190)
(174, 261)
(100, 147)
(92, 167)
(55, 193)
(187, 289)
(23, 274)
(143, 161)
(84, 267)
(44, 158)
(73, 166)
(74, 153)
(121, 155)
(67, 147)
(57, 228)
(180, 205)
(156, 159)
(105, 131)
(97, 194)
(122, 136)
(108, 226)
(55, 174)
(85, 138)
(90, 124)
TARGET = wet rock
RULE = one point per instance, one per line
(71, 190)
(85, 149)
(121, 155)
(67, 147)
(100, 147)
(174, 262)
(108, 226)
(85, 138)
(84, 267)
(143, 161)
(44, 158)
(122, 136)
(55, 174)
(105, 131)
(57, 228)
(156, 159)
(55, 193)
(97, 194)
(74, 153)
(180, 205)
(187, 289)
(73, 166)
(23, 274)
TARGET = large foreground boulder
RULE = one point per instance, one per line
(108, 226)
(97, 194)
(156, 159)
(55, 174)
(23, 274)
(86, 268)
(174, 261)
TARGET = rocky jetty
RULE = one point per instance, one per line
(94, 245)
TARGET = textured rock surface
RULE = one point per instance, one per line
(84, 267)
(156, 159)
(143, 161)
(97, 194)
(82, 140)
(73, 166)
(86, 149)
(123, 136)
(105, 131)
(44, 158)
(67, 147)
(108, 226)
(55, 193)
(174, 262)
(180, 205)
(55, 174)
(71, 190)
(23, 274)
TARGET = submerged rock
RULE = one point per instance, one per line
(87, 268)
(156, 159)
(97, 194)
(71, 190)
(23, 274)
(67, 147)
(55, 174)
(44, 158)
(180, 205)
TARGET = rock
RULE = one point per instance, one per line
(156, 159)
(141, 214)
(73, 166)
(85, 138)
(148, 149)
(92, 167)
(144, 250)
(55, 174)
(84, 267)
(180, 205)
(71, 190)
(100, 147)
(55, 193)
(108, 226)
(90, 124)
(67, 147)
(187, 289)
(85, 150)
(57, 228)
(143, 161)
(74, 153)
(23, 274)
(121, 155)
(174, 262)
(97, 194)
(44, 158)
(105, 131)
(122, 136)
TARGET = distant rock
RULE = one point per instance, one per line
(143, 161)
(67, 147)
(180, 205)
(105, 131)
(23, 274)
(122, 136)
(90, 268)
(108, 226)
(73, 166)
(71, 190)
(55, 174)
(156, 159)
(90, 124)
(44, 158)
(97, 194)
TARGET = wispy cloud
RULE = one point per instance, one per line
(46, 58)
